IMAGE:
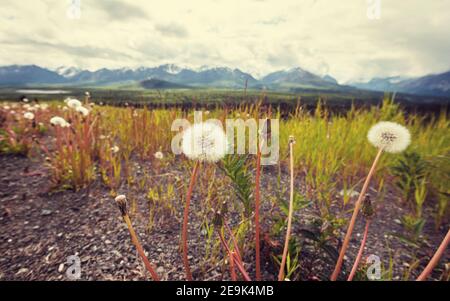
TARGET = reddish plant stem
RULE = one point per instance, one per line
(232, 269)
(236, 247)
(291, 211)
(237, 261)
(360, 252)
(257, 204)
(139, 248)
(434, 261)
(351, 225)
(184, 233)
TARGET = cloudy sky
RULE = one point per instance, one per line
(343, 38)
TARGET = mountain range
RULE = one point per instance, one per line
(170, 76)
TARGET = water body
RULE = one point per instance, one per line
(34, 91)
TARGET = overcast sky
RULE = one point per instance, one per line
(340, 38)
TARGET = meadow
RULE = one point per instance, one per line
(96, 156)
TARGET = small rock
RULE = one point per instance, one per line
(61, 268)
(46, 212)
(22, 271)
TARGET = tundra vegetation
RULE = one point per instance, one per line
(298, 219)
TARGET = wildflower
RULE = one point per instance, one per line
(115, 149)
(204, 141)
(159, 155)
(351, 193)
(26, 106)
(82, 110)
(386, 136)
(121, 201)
(25, 100)
(59, 121)
(102, 137)
(44, 106)
(390, 136)
(73, 103)
(28, 115)
(6, 107)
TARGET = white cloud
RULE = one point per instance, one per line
(334, 37)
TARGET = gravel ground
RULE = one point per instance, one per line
(40, 230)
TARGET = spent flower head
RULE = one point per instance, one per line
(59, 121)
(73, 103)
(204, 141)
(115, 149)
(390, 136)
(159, 155)
(82, 110)
(121, 201)
(28, 115)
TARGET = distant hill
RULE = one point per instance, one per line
(16, 75)
(173, 76)
(433, 85)
(297, 78)
(161, 84)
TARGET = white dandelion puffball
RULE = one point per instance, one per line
(59, 121)
(25, 100)
(115, 149)
(390, 136)
(28, 115)
(84, 111)
(73, 103)
(159, 155)
(204, 141)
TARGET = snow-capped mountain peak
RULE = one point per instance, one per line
(67, 71)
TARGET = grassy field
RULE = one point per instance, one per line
(109, 145)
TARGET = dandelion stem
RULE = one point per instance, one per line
(360, 252)
(257, 199)
(351, 225)
(139, 248)
(232, 269)
(291, 211)
(434, 261)
(236, 259)
(184, 233)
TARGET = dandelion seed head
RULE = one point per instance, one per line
(28, 115)
(59, 121)
(121, 201)
(82, 110)
(73, 103)
(390, 136)
(204, 141)
(159, 155)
